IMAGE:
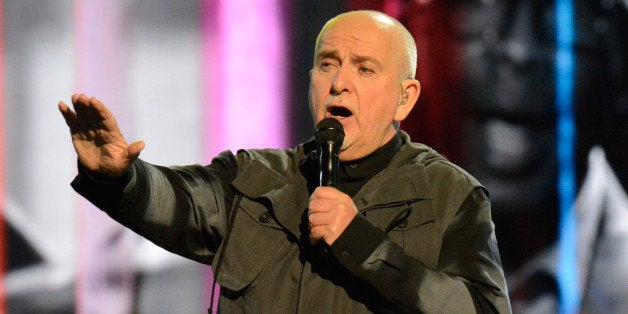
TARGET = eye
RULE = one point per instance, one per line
(365, 70)
(327, 64)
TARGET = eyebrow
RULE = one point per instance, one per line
(326, 53)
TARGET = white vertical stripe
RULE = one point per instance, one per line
(106, 277)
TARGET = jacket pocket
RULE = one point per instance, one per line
(252, 244)
(411, 226)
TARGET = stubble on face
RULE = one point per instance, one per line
(364, 102)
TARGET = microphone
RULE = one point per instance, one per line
(329, 135)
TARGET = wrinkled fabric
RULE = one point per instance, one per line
(423, 241)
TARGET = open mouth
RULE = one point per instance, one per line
(340, 112)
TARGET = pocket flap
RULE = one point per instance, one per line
(405, 216)
(250, 247)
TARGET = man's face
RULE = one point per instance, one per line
(356, 79)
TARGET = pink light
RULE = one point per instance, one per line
(243, 75)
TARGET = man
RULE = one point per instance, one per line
(405, 231)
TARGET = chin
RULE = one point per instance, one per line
(349, 155)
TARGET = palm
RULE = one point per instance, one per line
(98, 142)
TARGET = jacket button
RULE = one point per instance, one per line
(345, 254)
(264, 217)
(402, 224)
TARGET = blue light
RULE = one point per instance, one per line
(569, 292)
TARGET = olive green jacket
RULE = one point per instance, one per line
(423, 242)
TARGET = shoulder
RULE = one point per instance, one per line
(450, 186)
(442, 175)
(279, 160)
(440, 168)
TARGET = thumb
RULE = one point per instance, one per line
(134, 149)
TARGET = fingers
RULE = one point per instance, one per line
(81, 105)
(319, 229)
(92, 113)
(68, 115)
(325, 225)
(96, 137)
(134, 149)
(85, 119)
(328, 199)
(102, 112)
(315, 235)
(330, 212)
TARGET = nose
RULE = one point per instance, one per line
(342, 81)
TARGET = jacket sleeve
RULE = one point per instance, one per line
(182, 209)
(469, 277)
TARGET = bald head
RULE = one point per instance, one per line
(403, 44)
(363, 76)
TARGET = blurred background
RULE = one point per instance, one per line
(530, 96)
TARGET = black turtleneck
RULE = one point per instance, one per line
(352, 175)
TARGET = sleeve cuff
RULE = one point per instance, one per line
(357, 243)
(102, 191)
(96, 177)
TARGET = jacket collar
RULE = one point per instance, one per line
(286, 191)
(403, 180)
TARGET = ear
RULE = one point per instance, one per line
(410, 91)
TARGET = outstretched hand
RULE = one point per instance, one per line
(96, 137)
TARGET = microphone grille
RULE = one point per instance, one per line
(329, 129)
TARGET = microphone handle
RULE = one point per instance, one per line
(329, 163)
